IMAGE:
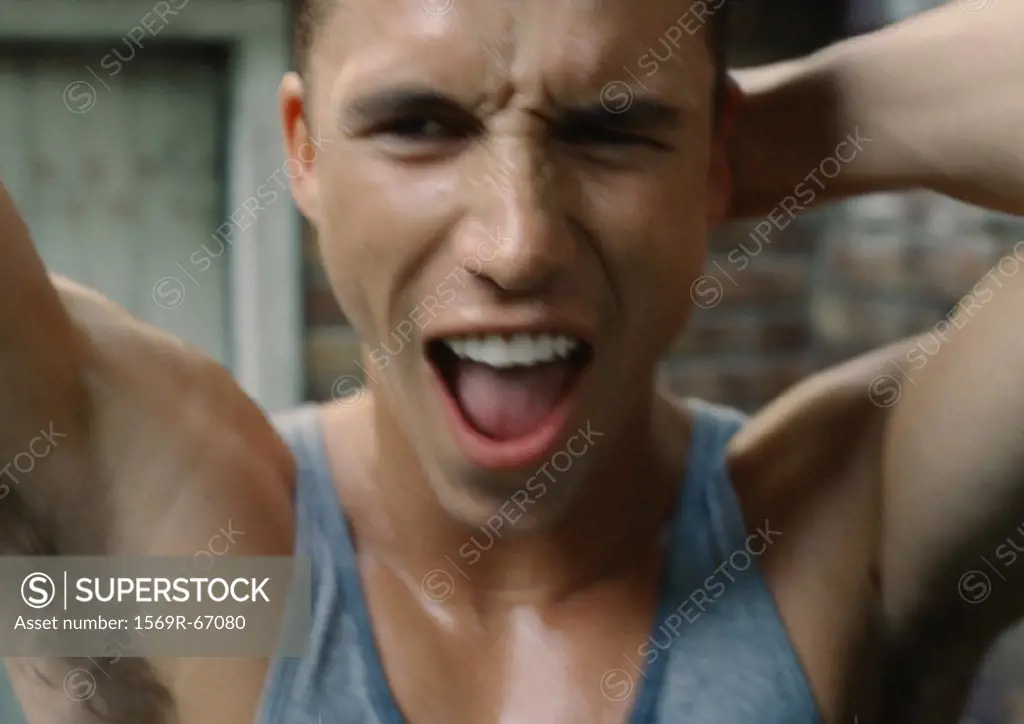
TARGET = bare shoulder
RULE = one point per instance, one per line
(819, 424)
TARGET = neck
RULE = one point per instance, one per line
(611, 529)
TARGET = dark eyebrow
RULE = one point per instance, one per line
(405, 100)
(643, 113)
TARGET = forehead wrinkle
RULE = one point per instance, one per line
(499, 39)
(568, 51)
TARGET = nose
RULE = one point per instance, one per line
(519, 232)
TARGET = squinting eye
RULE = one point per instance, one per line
(421, 129)
(597, 136)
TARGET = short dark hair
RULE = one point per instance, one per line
(306, 16)
(309, 14)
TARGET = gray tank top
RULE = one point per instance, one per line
(717, 653)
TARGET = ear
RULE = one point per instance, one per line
(300, 147)
(720, 166)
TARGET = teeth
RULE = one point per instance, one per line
(516, 351)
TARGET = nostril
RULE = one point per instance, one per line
(517, 288)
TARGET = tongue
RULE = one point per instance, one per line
(506, 404)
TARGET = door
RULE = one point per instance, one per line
(120, 181)
(120, 177)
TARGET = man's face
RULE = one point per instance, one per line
(512, 199)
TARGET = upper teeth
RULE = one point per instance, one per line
(520, 349)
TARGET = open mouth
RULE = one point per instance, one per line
(510, 387)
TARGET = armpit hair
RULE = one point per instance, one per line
(128, 690)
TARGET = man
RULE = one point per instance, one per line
(541, 536)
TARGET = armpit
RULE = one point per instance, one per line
(123, 691)
(92, 691)
(23, 532)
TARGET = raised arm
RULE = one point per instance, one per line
(44, 406)
(953, 473)
(99, 411)
(940, 96)
(121, 440)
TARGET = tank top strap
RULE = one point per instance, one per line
(317, 508)
(710, 520)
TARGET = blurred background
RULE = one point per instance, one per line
(140, 140)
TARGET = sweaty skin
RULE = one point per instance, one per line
(881, 508)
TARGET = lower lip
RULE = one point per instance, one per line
(497, 455)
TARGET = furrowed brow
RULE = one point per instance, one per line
(638, 114)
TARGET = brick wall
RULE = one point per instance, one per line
(892, 265)
(751, 335)
(830, 285)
